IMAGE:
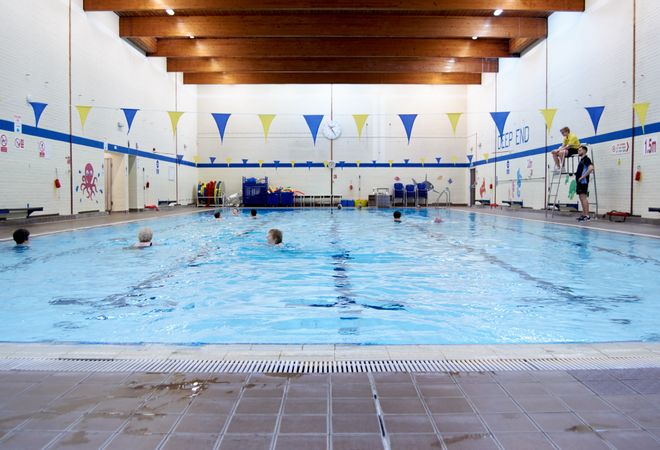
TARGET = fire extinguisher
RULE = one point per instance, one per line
(638, 174)
(58, 184)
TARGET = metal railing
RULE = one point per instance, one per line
(446, 192)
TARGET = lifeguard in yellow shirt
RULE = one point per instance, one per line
(569, 147)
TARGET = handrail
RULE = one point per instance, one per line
(446, 192)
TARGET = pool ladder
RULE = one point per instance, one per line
(568, 169)
(446, 192)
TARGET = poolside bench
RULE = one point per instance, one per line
(18, 213)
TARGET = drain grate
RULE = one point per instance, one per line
(310, 367)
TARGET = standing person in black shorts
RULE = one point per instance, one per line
(584, 169)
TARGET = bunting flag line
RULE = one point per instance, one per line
(221, 120)
(266, 120)
(174, 119)
(437, 159)
(261, 163)
(373, 161)
(227, 160)
(390, 161)
(38, 109)
(179, 158)
(357, 163)
(469, 157)
(453, 159)
(83, 111)
(486, 156)
(453, 119)
(500, 120)
(276, 163)
(360, 120)
(422, 160)
(341, 164)
(244, 162)
(309, 165)
(406, 161)
(641, 109)
(313, 122)
(325, 164)
(293, 164)
(195, 159)
(129, 113)
(212, 158)
(408, 122)
(594, 113)
(548, 116)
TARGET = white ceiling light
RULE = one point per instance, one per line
(169, 11)
(497, 12)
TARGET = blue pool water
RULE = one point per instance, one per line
(342, 277)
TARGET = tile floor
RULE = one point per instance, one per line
(599, 409)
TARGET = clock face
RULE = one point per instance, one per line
(331, 129)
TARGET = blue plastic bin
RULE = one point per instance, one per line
(286, 198)
(349, 203)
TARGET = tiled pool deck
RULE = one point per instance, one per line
(517, 409)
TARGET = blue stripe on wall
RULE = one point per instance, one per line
(29, 130)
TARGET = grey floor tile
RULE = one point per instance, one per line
(483, 390)
(392, 390)
(509, 422)
(541, 403)
(645, 386)
(165, 405)
(631, 440)
(246, 442)
(52, 421)
(601, 421)
(469, 441)
(647, 418)
(193, 441)
(313, 378)
(408, 424)
(611, 387)
(355, 423)
(198, 423)
(312, 390)
(211, 406)
(23, 440)
(252, 423)
(415, 441)
(515, 377)
(585, 403)
(459, 423)
(353, 405)
(351, 391)
(402, 406)
(118, 405)
(349, 378)
(474, 377)
(441, 390)
(553, 376)
(562, 421)
(150, 424)
(523, 441)
(356, 442)
(495, 405)
(389, 377)
(448, 405)
(433, 378)
(567, 388)
(259, 406)
(82, 440)
(263, 391)
(579, 441)
(301, 441)
(124, 441)
(306, 406)
(525, 389)
(301, 424)
(100, 422)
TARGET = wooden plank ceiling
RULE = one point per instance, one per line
(333, 41)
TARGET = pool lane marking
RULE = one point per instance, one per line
(582, 227)
(46, 233)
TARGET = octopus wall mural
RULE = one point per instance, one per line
(89, 181)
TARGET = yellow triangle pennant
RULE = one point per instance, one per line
(227, 160)
(293, 163)
(641, 109)
(486, 155)
(261, 162)
(360, 120)
(266, 120)
(325, 163)
(174, 119)
(549, 116)
(422, 160)
(195, 159)
(390, 161)
(357, 163)
(453, 118)
(453, 159)
(83, 111)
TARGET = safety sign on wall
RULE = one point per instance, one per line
(19, 143)
(621, 147)
(18, 124)
(3, 143)
(650, 146)
(42, 149)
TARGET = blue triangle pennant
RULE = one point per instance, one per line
(244, 162)
(38, 108)
(373, 161)
(313, 122)
(469, 157)
(277, 163)
(130, 115)
(594, 113)
(500, 119)
(406, 161)
(221, 120)
(212, 158)
(408, 121)
(438, 158)
(309, 165)
(341, 164)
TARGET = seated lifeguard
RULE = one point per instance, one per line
(569, 147)
(144, 238)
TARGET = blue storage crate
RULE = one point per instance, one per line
(286, 198)
(273, 199)
(349, 203)
(255, 194)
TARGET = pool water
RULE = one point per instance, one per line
(348, 276)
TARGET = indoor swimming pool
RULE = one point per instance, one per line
(342, 276)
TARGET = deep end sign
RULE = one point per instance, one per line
(516, 137)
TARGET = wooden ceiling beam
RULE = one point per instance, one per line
(355, 65)
(332, 78)
(332, 47)
(325, 5)
(329, 25)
